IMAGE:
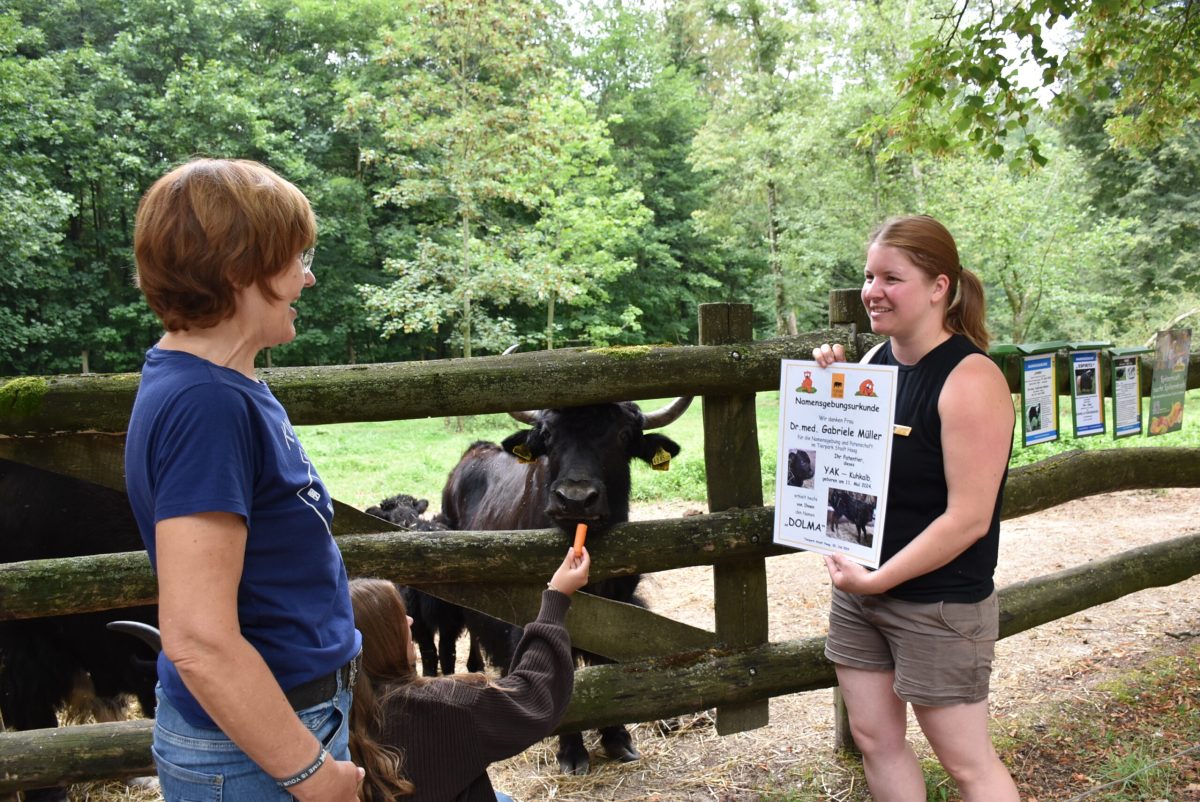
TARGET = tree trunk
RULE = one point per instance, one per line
(872, 156)
(918, 183)
(466, 279)
(775, 262)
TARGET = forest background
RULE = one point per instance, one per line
(488, 172)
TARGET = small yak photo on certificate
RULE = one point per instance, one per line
(835, 449)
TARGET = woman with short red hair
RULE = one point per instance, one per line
(259, 646)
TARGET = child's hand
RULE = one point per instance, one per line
(826, 354)
(573, 573)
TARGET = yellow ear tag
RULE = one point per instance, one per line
(661, 461)
(523, 454)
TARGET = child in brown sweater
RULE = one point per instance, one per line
(431, 739)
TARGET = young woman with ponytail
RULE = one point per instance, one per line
(921, 629)
(431, 739)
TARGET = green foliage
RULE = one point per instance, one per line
(458, 131)
(491, 171)
(1158, 191)
(966, 77)
(652, 102)
(588, 220)
(1031, 238)
(33, 211)
(104, 100)
(755, 46)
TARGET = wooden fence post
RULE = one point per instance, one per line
(733, 475)
(846, 311)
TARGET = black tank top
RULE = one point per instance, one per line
(917, 485)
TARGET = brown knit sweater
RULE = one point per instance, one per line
(449, 731)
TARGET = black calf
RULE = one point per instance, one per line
(431, 616)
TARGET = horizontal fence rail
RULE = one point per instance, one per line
(403, 390)
(108, 581)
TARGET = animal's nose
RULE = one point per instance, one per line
(576, 496)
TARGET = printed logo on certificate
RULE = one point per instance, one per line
(835, 453)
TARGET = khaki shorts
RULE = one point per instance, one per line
(941, 653)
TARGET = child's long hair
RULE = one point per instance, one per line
(380, 615)
(931, 248)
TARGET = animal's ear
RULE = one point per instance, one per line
(657, 450)
(526, 445)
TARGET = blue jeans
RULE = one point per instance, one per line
(503, 797)
(198, 764)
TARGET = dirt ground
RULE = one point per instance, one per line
(795, 750)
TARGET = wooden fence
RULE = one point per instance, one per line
(67, 423)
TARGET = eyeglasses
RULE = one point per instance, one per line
(306, 260)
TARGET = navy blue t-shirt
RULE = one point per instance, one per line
(204, 438)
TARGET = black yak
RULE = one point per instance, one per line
(572, 466)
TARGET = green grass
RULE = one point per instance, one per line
(363, 463)
(1127, 740)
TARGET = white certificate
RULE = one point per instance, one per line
(835, 455)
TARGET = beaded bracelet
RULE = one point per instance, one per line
(304, 774)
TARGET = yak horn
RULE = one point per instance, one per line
(143, 632)
(668, 414)
(526, 415)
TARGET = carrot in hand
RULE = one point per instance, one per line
(580, 536)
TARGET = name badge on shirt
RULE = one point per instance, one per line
(902, 430)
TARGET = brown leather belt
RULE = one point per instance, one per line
(322, 689)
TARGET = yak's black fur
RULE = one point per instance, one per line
(577, 470)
